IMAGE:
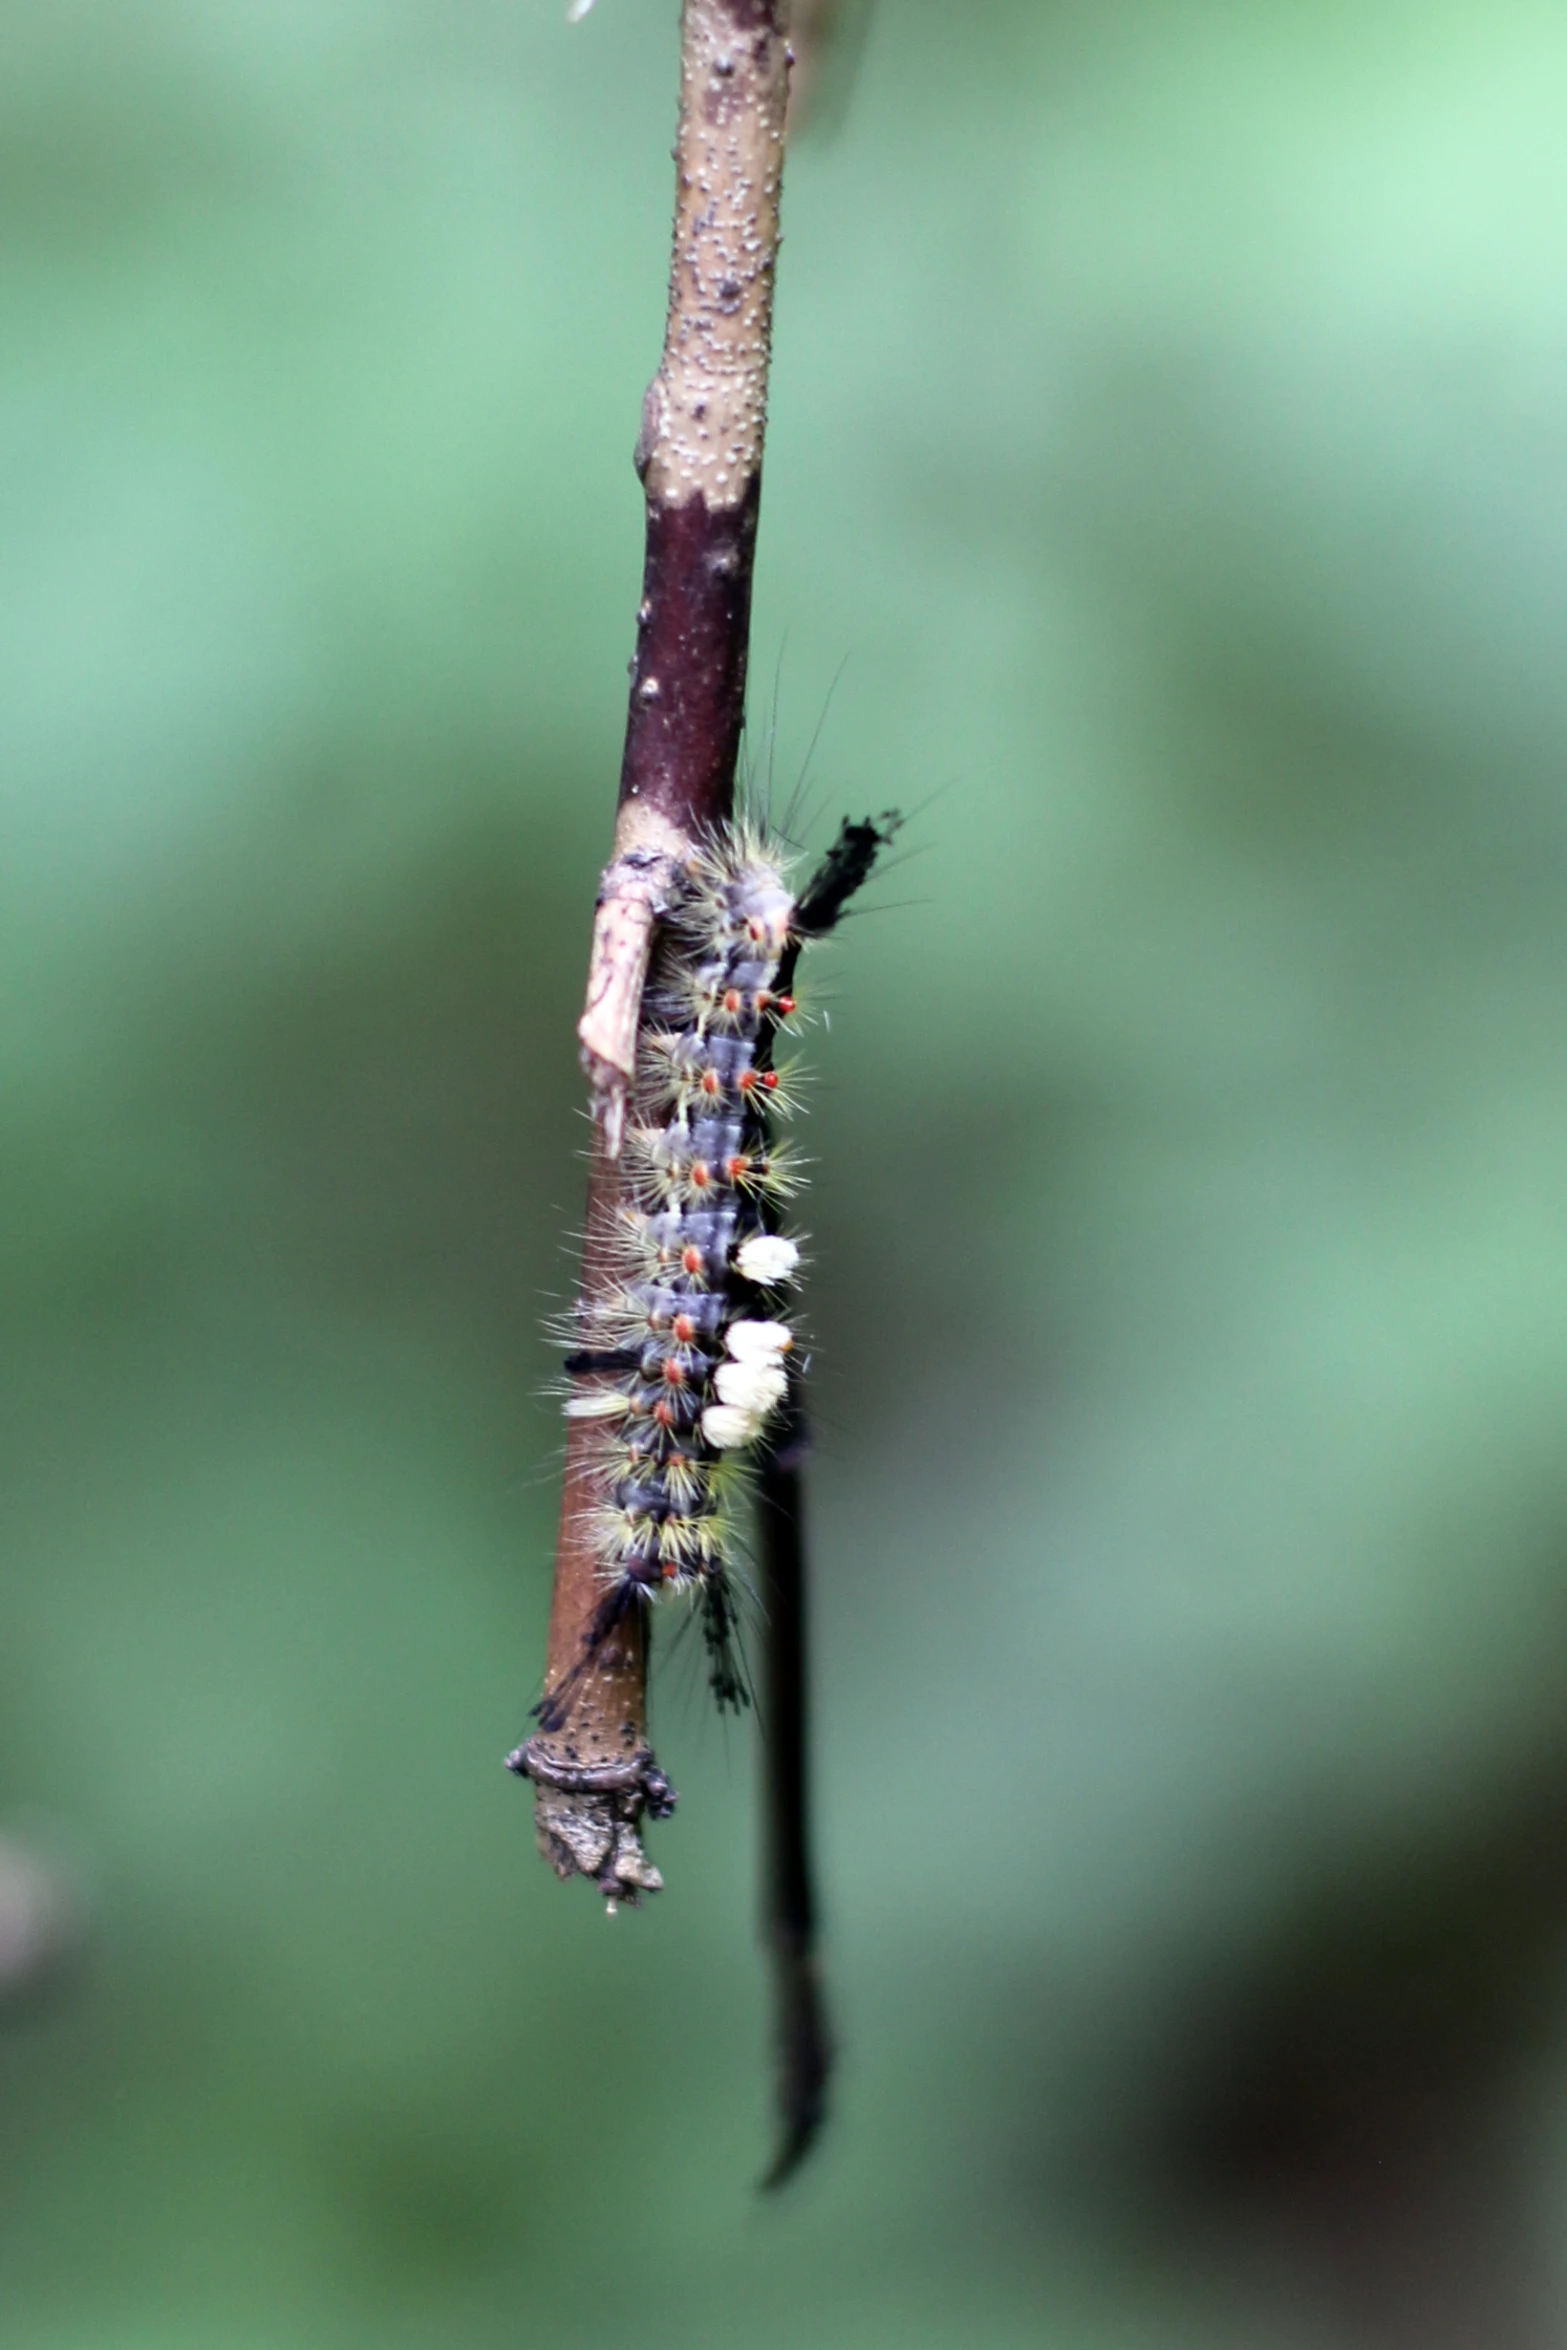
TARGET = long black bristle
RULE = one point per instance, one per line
(802, 2041)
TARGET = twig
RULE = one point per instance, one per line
(699, 454)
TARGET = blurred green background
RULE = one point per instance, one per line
(1170, 434)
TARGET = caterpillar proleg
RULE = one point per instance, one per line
(679, 1358)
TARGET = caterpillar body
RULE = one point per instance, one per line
(681, 1360)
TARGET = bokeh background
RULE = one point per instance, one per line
(1170, 446)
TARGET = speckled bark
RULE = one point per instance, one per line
(699, 454)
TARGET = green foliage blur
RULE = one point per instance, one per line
(1169, 444)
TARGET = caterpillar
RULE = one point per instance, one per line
(682, 1358)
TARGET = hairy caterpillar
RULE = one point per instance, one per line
(680, 1360)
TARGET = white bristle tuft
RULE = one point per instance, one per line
(726, 1427)
(750, 1387)
(759, 1341)
(767, 1259)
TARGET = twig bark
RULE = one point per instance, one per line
(699, 454)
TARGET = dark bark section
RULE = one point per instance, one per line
(688, 677)
(802, 2041)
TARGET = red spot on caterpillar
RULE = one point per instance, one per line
(786, 1005)
(712, 1082)
(769, 1078)
(674, 1373)
(734, 1001)
(764, 997)
(685, 1329)
(691, 1260)
(664, 1414)
(701, 1174)
(746, 1080)
(738, 1167)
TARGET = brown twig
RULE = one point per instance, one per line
(699, 454)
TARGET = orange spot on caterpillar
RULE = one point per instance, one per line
(738, 1167)
(734, 1001)
(701, 1174)
(674, 1373)
(746, 1080)
(691, 1260)
(764, 998)
(685, 1329)
(664, 1414)
(711, 1082)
